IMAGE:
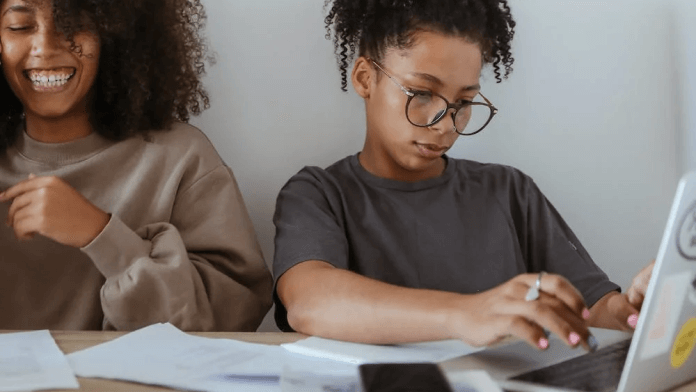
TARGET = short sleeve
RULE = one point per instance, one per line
(550, 245)
(309, 226)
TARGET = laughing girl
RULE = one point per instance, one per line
(118, 214)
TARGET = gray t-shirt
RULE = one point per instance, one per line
(470, 229)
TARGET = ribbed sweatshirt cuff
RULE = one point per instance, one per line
(116, 248)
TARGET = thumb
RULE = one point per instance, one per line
(635, 297)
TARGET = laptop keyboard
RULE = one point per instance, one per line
(593, 372)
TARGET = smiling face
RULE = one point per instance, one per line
(51, 80)
(444, 64)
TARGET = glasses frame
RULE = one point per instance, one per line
(411, 94)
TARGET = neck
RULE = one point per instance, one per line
(59, 130)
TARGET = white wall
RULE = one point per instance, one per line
(590, 112)
(685, 49)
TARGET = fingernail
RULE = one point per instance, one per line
(633, 320)
(543, 343)
(592, 342)
(585, 313)
(574, 338)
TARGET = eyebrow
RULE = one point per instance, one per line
(438, 82)
(19, 8)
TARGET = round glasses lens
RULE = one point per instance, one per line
(424, 109)
(471, 118)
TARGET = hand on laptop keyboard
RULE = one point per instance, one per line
(487, 317)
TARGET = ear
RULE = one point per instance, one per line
(361, 77)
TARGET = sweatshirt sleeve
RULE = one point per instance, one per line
(201, 271)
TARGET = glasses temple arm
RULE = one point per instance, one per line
(410, 94)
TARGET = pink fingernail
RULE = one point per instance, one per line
(543, 343)
(585, 313)
(633, 320)
(574, 338)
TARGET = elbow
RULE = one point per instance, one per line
(302, 290)
(301, 319)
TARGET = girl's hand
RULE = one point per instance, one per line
(52, 208)
(503, 311)
(624, 314)
(639, 286)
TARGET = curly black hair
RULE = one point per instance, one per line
(372, 26)
(153, 56)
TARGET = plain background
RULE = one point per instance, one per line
(597, 111)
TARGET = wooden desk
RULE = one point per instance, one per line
(77, 340)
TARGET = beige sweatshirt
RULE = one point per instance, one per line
(179, 246)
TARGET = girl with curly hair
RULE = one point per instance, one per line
(118, 213)
(402, 243)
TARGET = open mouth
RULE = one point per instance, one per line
(49, 78)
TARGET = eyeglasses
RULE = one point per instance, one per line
(424, 109)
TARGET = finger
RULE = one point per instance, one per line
(639, 286)
(19, 203)
(549, 312)
(25, 226)
(25, 186)
(635, 297)
(525, 330)
(562, 289)
(552, 314)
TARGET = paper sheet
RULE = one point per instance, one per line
(163, 355)
(367, 353)
(33, 361)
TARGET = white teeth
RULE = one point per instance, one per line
(49, 80)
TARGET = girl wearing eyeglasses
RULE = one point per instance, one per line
(117, 214)
(401, 243)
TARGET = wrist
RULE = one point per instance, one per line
(99, 222)
(456, 316)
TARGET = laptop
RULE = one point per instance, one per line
(661, 354)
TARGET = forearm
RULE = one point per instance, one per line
(347, 306)
(151, 277)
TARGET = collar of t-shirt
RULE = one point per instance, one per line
(380, 182)
(60, 153)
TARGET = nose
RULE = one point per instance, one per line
(445, 124)
(47, 42)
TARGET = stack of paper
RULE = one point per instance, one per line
(33, 361)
